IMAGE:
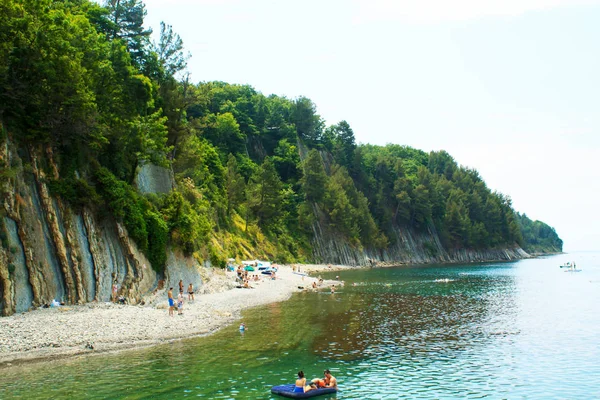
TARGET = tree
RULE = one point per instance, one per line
(421, 214)
(170, 51)
(236, 185)
(314, 179)
(264, 195)
(127, 23)
(309, 125)
(344, 143)
(224, 132)
(286, 160)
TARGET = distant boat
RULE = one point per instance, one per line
(570, 267)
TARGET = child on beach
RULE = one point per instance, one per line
(180, 304)
(171, 301)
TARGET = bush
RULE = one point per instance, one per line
(189, 226)
(158, 234)
(76, 192)
(125, 204)
(216, 259)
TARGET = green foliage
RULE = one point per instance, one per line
(158, 235)
(84, 81)
(538, 237)
(125, 21)
(314, 179)
(309, 125)
(125, 204)
(216, 259)
(77, 192)
(236, 186)
(188, 225)
(265, 194)
(170, 51)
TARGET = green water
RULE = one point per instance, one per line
(507, 330)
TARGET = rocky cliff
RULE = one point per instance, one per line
(50, 251)
(407, 247)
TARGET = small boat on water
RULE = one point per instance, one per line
(288, 391)
(568, 265)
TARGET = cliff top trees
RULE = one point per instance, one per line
(126, 22)
(85, 80)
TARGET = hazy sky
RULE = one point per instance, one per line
(510, 88)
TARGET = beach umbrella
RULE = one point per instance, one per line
(249, 268)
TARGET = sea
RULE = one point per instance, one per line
(526, 329)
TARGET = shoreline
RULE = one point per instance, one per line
(101, 328)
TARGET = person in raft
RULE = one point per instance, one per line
(301, 386)
(331, 381)
(171, 301)
(327, 381)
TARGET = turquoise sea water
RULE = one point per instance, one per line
(515, 330)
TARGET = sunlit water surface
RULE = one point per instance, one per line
(512, 330)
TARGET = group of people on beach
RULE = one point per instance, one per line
(180, 298)
(328, 381)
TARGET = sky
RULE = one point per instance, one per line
(510, 88)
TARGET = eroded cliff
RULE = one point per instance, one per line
(52, 252)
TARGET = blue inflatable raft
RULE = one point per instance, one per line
(288, 391)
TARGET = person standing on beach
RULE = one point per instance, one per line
(115, 288)
(190, 292)
(171, 301)
(180, 304)
(181, 286)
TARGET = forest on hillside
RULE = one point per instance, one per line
(252, 171)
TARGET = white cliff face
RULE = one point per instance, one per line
(151, 178)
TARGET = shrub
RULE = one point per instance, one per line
(125, 204)
(158, 234)
(216, 259)
(76, 192)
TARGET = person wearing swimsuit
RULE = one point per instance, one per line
(171, 301)
(321, 383)
(331, 381)
(301, 386)
(190, 292)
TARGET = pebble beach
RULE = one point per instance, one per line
(94, 328)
